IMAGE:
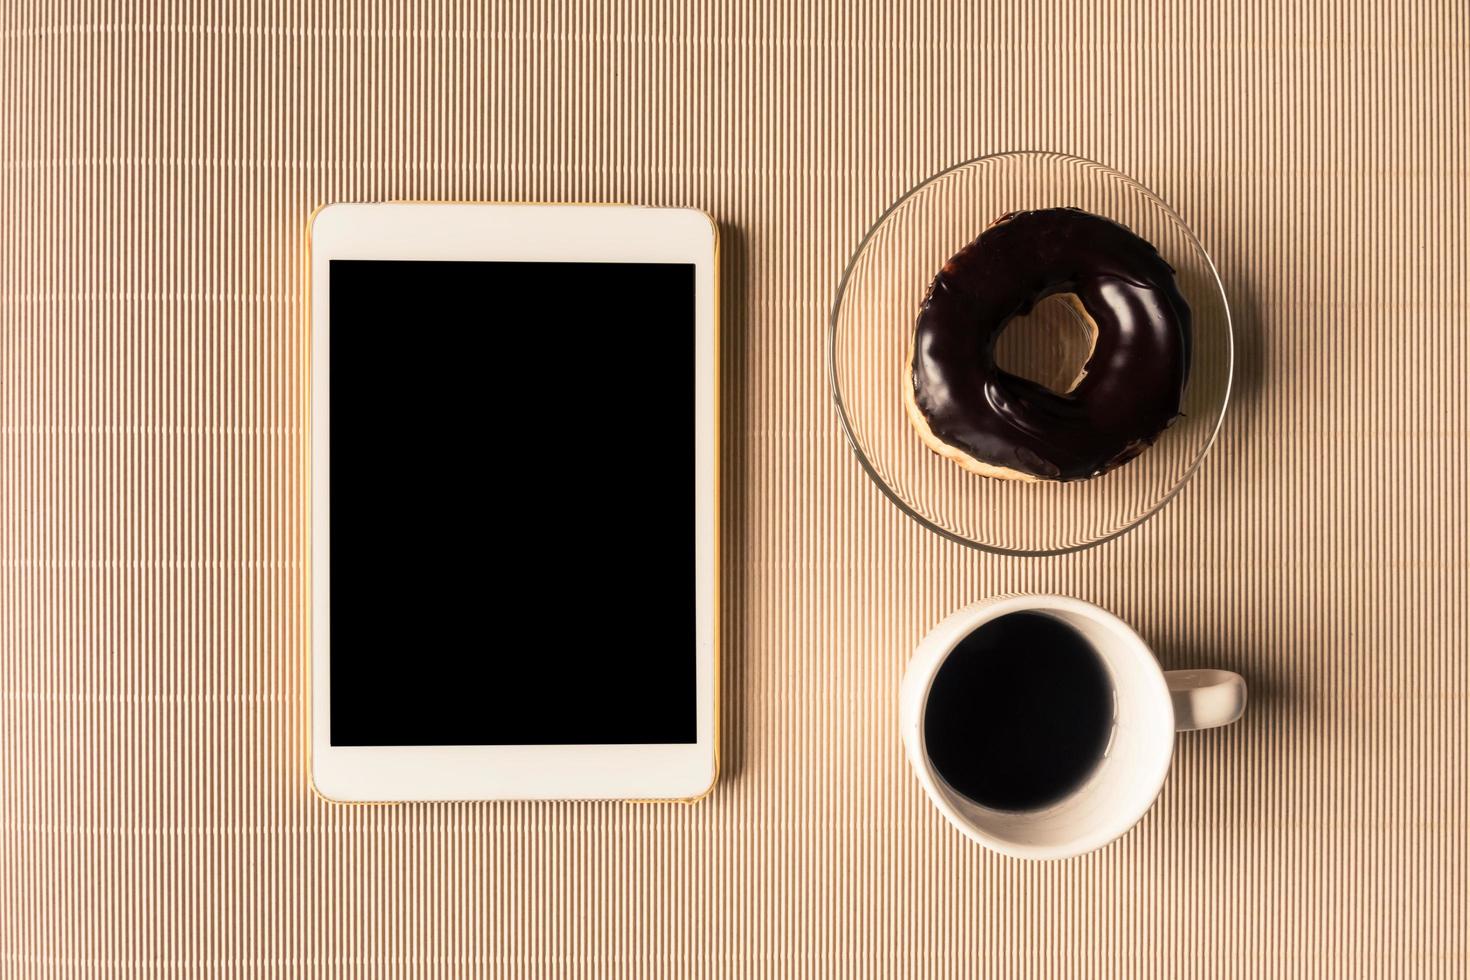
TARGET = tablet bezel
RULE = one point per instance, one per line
(522, 233)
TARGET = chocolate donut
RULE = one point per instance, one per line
(996, 424)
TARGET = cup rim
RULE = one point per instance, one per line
(960, 624)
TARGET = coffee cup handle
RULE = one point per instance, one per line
(1205, 698)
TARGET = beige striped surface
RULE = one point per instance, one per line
(159, 162)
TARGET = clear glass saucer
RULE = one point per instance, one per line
(872, 329)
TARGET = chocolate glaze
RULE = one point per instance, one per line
(1135, 376)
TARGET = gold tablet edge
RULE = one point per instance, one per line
(309, 606)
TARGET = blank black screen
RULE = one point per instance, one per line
(512, 503)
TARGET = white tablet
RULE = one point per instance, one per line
(513, 492)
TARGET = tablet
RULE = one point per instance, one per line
(513, 502)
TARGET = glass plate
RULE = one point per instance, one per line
(872, 330)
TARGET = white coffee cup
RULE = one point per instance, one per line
(1150, 705)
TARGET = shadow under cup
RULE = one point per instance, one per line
(1125, 781)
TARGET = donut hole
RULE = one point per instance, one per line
(1050, 345)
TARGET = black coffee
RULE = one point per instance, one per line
(1020, 713)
